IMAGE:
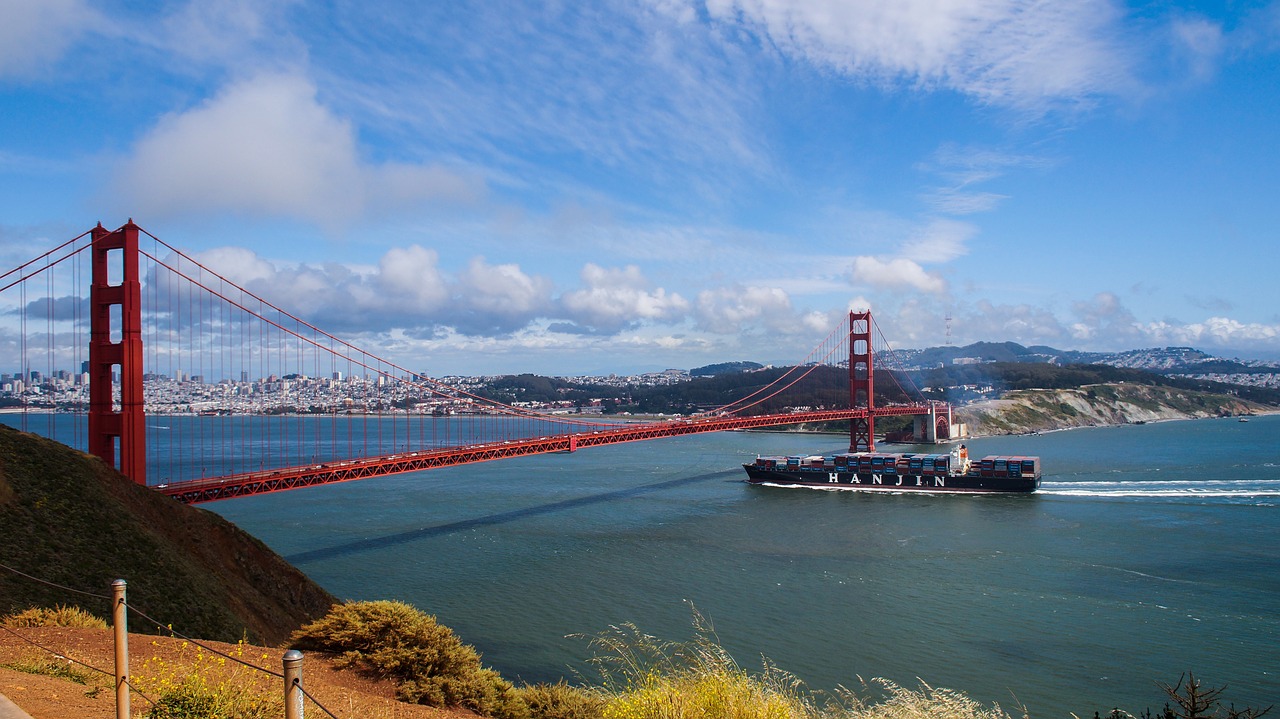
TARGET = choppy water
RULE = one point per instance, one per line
(1150, 550)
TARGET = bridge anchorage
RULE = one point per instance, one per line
(204, 390)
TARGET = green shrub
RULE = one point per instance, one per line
(59, 616)
(428, 662)
(562, 701)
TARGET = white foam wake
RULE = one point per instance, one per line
(1235, 488)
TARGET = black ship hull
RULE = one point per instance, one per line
(883, 482)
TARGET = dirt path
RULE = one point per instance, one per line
(156, 660)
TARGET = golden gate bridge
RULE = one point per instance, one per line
(191, 384)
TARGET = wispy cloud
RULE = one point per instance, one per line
(33, 35)
(961, 169)
(622, 90)
(1028, 56)
(1200, 44)
(251, 35)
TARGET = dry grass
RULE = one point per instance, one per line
(924, 702)
(644, 678)
(59, 616)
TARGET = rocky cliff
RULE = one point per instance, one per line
(1042, 410)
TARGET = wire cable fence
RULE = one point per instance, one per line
(292, 660)
(67, 657)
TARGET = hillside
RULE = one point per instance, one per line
(1042, 410)
(67, 518)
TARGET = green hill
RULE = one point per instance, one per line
(67, 518)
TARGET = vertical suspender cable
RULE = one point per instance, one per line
(22, 359)
(48, 376)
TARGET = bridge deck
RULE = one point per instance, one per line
(250, 483)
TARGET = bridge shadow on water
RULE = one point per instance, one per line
(439, 530)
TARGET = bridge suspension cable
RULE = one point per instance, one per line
(242, 396)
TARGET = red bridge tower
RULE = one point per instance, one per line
(862, 392)
(106, 425)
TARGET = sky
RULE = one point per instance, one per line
(569, 188)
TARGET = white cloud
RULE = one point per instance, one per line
(941, 240)
(35, 34)
(411, 275)
(1024, 55)
(1105, 323)
(226, 32)
(503, 288)
(1214, 331)
(266, 147)
(894, 274)
(734, 310)
(1021, 322)
(1105, 317)
(1200, 43)
(497, 299)
(614, 298)
(963, 167)
(238, 264)
(408, 291)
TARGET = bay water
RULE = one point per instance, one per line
(1149, 551)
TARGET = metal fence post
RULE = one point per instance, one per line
(120, 622)
(293, 684)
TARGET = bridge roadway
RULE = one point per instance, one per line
(278, 480)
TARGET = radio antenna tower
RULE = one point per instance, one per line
(948, 328)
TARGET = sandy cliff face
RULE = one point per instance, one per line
(1037, 410)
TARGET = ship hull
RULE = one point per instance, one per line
(829, 479)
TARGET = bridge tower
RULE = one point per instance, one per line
(862, 431)
(107, 426)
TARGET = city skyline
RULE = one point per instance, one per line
(631, 186)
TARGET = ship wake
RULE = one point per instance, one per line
(1175, 489)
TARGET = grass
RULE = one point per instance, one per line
(644, 678)
(59, 616)
(202, 685)
(924, 702)
(50, 667)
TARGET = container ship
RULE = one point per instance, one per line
(908, 472)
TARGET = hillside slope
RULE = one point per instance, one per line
(1042, 410)
(67, 518)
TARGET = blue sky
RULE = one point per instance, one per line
(619, 186)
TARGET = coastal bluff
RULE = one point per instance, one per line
(69, 519)
(1043, 410)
